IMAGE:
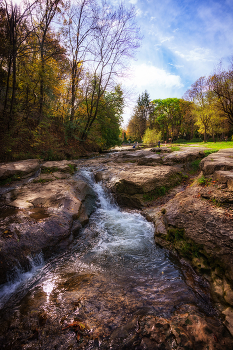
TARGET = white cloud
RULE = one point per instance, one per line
(138, 12)
(133, 1)
(144, 75)
(168, 38)
(176, 65)
(197, 54)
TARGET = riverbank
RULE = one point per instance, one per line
(45, 209)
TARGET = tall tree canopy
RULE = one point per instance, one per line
(59, 64)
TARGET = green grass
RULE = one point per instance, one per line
(213, 145)
(204, 181)
(72, 168)
(175, 148)
(158, 192)
(194, 166)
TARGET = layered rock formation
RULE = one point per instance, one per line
(41, 215)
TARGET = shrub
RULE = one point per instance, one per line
(204, 181)
(196, 140)
(180, 141)
(151, 136)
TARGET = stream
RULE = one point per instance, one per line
(112, 272)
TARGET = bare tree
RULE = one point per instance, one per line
(115, 39)
(78, 32)
(46, 11)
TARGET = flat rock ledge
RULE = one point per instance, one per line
(42, 215)
(23, 168)
(164, 155)
(132, 185)
(222, 160)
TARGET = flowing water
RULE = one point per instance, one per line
(113, 270)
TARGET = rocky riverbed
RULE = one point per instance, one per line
(43, 209)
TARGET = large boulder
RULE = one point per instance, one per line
(145, 179)
(140, 157)
(23, 168)
(224, 177)
(222, 160)
(163, 155)
(132, 185)
(41, 218)
(58, 166)
(186, 154)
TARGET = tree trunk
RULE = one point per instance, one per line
(14, 83)
(41, 98)
(213, 137)
(204, 133)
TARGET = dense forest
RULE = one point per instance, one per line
(205, 111)
(60, 64)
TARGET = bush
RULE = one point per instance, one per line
(151, 136)
(180, 141)
(196, 140)
(203, 181)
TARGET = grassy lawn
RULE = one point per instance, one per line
(213, 145)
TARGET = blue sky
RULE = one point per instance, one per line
(182, 41)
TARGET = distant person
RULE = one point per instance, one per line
(159, 143)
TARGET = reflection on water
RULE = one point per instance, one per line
(113, 271)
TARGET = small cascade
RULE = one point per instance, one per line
(18, 277)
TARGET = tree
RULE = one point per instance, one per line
(203, 99)
(109, 118)
(143, 107)
(16, 32)
(46, 11)
(79, 27)
(115, 39)
(221, 83)
(151, 136)
(167, 116)
(138, 122)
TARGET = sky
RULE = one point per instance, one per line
(182, 41)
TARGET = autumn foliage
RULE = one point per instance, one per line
(58, 63)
